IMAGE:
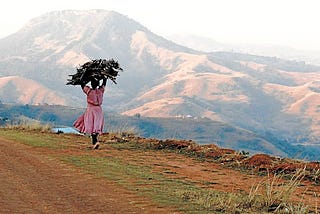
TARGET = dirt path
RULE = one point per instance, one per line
(31, 182)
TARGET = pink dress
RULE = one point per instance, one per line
(92, 120)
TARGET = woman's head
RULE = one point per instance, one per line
(94, 83)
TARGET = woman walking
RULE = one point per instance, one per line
(92, 121)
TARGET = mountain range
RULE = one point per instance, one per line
(203, 43)
(267, 95)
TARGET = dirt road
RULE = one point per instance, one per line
(32, 182)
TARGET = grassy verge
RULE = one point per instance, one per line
(139, 179)
(34, 138)
(142, 179)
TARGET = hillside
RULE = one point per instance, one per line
(271, 97)
(15, 89)
(132, 174)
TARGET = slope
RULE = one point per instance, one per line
(18, 89)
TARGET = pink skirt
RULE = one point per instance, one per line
(92, 121)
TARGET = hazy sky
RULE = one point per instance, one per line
(292, 23)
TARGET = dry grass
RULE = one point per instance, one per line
(275, 192)
(27, 124)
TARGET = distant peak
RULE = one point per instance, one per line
(91, 12)
(81, 16)
(79, 12)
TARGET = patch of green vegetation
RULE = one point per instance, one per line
(140, 179)
(34, 138)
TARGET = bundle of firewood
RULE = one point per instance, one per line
(96, 69)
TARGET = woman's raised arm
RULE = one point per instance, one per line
(104, 82)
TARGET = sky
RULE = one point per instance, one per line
(293, 23)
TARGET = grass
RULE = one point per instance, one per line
(275, 191)
(184, 195)
(140, 179)
(23, 123)
(32, 137)
(268, 196)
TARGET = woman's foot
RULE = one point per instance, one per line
(96, 145)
